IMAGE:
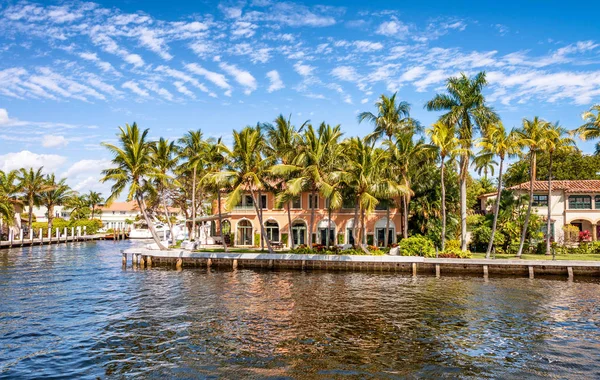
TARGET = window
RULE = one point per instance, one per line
(123, 212)
(263, 201)
(580, 202)
(272, 229)
(248, 201)
(540, 200)
(297, 203)
(313, 200)
(244, 233)
(597, 201)
(327, 202)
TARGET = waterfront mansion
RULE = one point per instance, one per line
(241, 223)
(573, 202)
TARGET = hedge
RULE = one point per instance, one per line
(91, 226)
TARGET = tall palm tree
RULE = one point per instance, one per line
(94, 199)
(499, 143)
(32, 184)
(9, 195)
(392, 117)
(442, 137)
(56, 194)
(466, 108)
(217, 161)
(404, 154)
(79, 206)
(283, 139)
(533, 134)
(165, 158)
(132, 169)
(193, 151)
(484, 163)
(557, 141)
(246, 171)
(591, 126)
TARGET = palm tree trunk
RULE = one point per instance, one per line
(260, 221)
(50, 216)
(464, 160)
(529, 204)
(221, 220)
(290, 232)
(193, 232)
(355, 224)
(549, 221)
(30, 211)
(329, 224)
(488, 252)
(312, 219)
(405, 226)
(142, 205)
(442, 168)
(387, 226)
(168, 216)
(363, 231)
(263, 237)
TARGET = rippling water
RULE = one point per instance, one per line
(73, 311)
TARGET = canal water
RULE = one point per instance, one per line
(73, 311)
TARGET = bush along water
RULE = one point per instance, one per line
(91, 226)
(334, 250)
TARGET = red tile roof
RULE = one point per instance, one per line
(575, 186)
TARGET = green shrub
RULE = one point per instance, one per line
(474, 221)
(416, 245)
(455, 253)
(340, 239)
(452, 244)
(257, 239)
(284, 238)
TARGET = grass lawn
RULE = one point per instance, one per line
(237, 250)
(588, 257)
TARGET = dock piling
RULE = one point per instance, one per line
(437, 270)
(570, 272)
(234, 264)
(485, 271)
(414, 269)
(530, 271)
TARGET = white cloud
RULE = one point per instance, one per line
(134, 59)
(149, 39)
(52, 141)
(304, 70)
(85, 167)
(346, 73)
(4, 116)
(183, 89)
(216, 78)
(393, 28)
(368, 46)
(276, 82)
(27, 159)
(243, 77)
(135, 88)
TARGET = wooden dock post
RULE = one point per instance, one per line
(303, 264)
(234, 264)
(437, 270)
(66, 235)
(208, 262)
(72, 233)
(531, 274)
(271, 264)
(179, 263)
(41, 237)
(31, 236)
(414, 269)
(485, 271)
(149, 261)
(84, 230)
(570, 272)
(142, 261)
(21, 237)
(57, 235)
(125, 259)
(49, 235)
(11, 234)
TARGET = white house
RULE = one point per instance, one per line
(573, 202)
(117, 214)
(41, 213)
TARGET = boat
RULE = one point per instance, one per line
(144, 233)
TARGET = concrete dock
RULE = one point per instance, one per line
(46, 241)
(179, 259)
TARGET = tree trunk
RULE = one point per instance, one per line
(488, 252)
(221, 220)
(290, 232)
(263, 237)
(387, 226)
(168, 216)
(464, 161)
(193, 232)
(50, 215)
(260, 221)
(312, 219)
(141, 204)
(329, 225)
(30, 211)
(405, 226)
(529, 204)
(549, 221)
(355, 223)
(442, 168)
(363, 231)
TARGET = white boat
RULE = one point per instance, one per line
(144, 233)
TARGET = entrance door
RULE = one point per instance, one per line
(298, 235)
(350, 234)
(381, 236)
(323, 236)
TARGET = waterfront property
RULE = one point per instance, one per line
(575, 203)
(242, 224)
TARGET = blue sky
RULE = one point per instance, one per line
(71, 72)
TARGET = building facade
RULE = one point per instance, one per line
(574, 203)
(243, 224)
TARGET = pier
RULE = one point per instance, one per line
(414, 265)
(65, 236)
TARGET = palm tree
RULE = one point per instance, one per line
(556, 141)
(534, 134)
(591, 126)
(9, 190)
(79, 206)
(215, 157)
(133, 168)
(57, 194)
(442, 137)
(247, 169)
(165, 159)
(484, 163)
(193, 150)
(404, 154)
(283, 142)
(499, 143)
(32, 184)
(95, 199)
(392, 117)
(467, 109)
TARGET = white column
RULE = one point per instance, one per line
(31, 234)
(41, 236)
(73, 232)
(21, 235)
(84, 230)
(78, 231)
(65, 233)
(11, 236)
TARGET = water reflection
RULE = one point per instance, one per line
(73, 311)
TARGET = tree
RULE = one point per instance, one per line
(501, 144)
(9, 190)
(32, 184)
(466, 108)
(95, 199)
(193, 151)
(217, 161)
(442, 137)
(591, 126)
(79, 205)
(533, 134)
(56, 194)
(246, 171)
(484, 163)
(132, 170)
(392, 117)
(165, 158)
(557, 140)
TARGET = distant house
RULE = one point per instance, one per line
(573, 202)
(116, 214)
(41, 213)
(243, 222)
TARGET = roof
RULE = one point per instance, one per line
(574, 186)
(121, 206)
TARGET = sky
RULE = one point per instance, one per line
(72, 72)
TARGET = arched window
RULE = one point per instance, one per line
(323, 228)
(244, 233)
(298, 233)
(272, 229)
(380, 232)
